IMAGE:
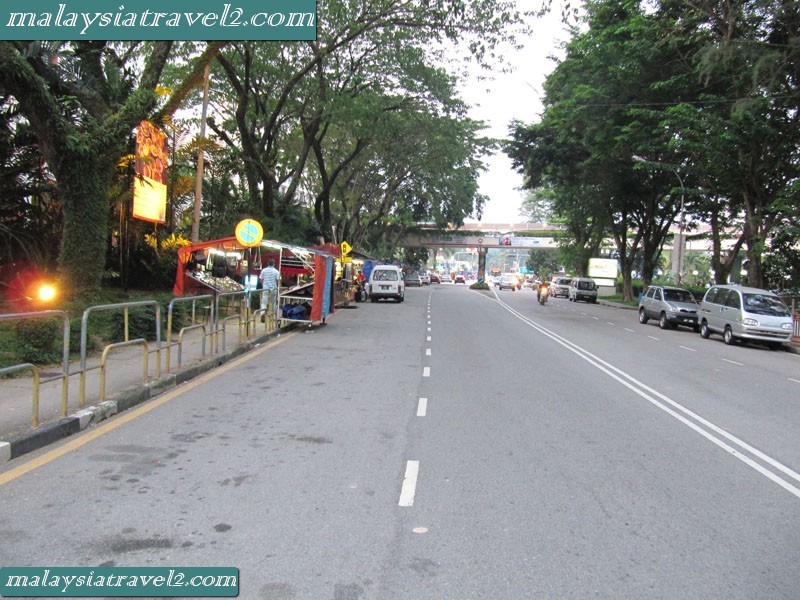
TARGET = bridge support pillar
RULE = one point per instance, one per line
(482, 263)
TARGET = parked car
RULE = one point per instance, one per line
(672, 306)
(460, 278)
(508, 281)
(424, 278)
(582, 288)
(559, 286)
(413, 280)
(386, 281)
(745, 313)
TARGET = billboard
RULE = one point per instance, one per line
(150, 183)
(603, 268)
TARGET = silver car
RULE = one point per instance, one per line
(745, 313)
(672, 306)
(559, 286)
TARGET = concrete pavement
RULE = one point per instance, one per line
(126, 385)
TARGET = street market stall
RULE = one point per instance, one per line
(225, 265)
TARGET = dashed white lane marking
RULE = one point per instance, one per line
(427, 351)
(609, 322)
(687, 348)
(629, 329)
(409, 488)
(795, 380)
(429, 338)
(429, 322)
(733, 362)
(652, 337)
(422, 407)
(426, 372)
(429, 328)
(596, 318)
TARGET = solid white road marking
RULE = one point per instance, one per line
(426, 372)
(422, 407)
(409, 488)
(728, 442)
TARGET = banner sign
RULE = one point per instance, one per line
(286, 20)
(150, 185)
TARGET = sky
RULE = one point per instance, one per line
(515, 95)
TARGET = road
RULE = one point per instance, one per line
(460, 445)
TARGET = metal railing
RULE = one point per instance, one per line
(211, 314)
(37, 379)
(194, 325)
(125, 306)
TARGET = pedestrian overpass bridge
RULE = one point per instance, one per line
(468, 239)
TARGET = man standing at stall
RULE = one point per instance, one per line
(270, 279)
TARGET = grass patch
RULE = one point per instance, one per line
(617, 299)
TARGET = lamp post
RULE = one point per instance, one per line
(678, 251)
(681, 230)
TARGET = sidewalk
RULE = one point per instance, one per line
(125, 387)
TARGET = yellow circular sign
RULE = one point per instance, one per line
(249, 233)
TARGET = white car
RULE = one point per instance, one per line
(508, 281)
(424, 278)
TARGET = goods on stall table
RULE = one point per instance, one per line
(222, 284)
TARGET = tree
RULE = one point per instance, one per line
(82, 100)
(320, 101)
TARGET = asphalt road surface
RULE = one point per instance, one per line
(459, 445)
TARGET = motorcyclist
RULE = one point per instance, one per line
(542, 289)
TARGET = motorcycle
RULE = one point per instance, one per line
(543, 294)
(359, 291)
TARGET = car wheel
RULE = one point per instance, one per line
(705, 332)
(643, 317)
(662, 321)
(727, 336)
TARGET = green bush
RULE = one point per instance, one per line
(38, 341)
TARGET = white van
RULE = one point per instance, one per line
(386, 281)
(582, 288)
(744, 313)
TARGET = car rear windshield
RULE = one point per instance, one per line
(384, 275)
(562, 281)
(586, 285)
(678, 296)
(764, 304)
